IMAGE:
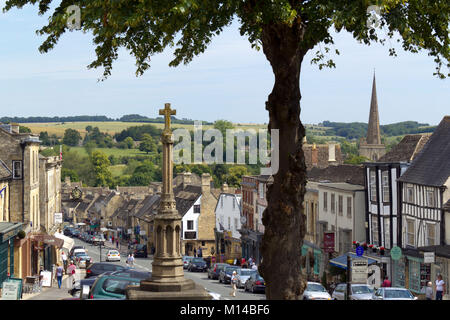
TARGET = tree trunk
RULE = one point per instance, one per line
(284, 220)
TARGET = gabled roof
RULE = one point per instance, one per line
(353, 174)
(432, 166)
(407, 149)
(5, 172)
(185, 198)
(85, 203)
(147, 206)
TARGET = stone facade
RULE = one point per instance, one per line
(50, 190)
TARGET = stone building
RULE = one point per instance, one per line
(50, 191)
(321, 155)
(371, 147)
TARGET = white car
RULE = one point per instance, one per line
(113, 255)
(393, 294)
(315, 291)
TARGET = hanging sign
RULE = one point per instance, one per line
(359, 270)
(428, 257)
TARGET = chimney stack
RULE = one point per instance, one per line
(14, 127)
(314, 156)
(186, 179)
(331, 152)
(206, 182)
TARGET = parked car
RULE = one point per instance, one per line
(82, 260)
(111, 287)
(393, 294)
(79, 284)
(315, 291)
(113, 255)
(68, 231)
(225, 274)
(75, 233)
(358, 292)
(214, 270)
(140, 251)
(186, 260)
(133, 273)
(255, 283)
(197, 264)
(76, 252)
(98, 268)
(98, 239)
(75, 248)
(243, 276)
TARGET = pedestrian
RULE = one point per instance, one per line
(130, 260)
(71, 270)
(440, 287)
(243, 264)
(195, 252)
(59, 274)
(254, 266)
(250, 261)
(234, 280)
(386, 283)
(429, 291)
(117, 243)
(199, 252)
(64, 260)
(41, 277)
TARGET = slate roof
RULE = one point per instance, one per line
(185, 198)
(322, 155)
(353, 174)
(85, 203)
(96, 207)
(432, 166)
(147, 206)
(407, 149)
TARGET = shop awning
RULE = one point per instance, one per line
(68, 242)
(48, 239)
(341, 261)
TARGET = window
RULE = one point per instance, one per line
(17, 169)
(234, 203)
(333, 204)
(325, 201)
(375, 230)
(349, 207)
(387, 233)
(385, 181)
(410, 194)
(261, 190)
(117, 286)
(430, 198)
(190, 225)
(340, 205)
(235, 223)
(410, 230)
(373, 186)
(431, 234)
(196, 208)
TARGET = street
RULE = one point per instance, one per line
(146, 264)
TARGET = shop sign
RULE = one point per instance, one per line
(428, 257)
(142, 233)
(328, 242)
(10, 290)
(58, 216)
(359, 268)
(396, 253)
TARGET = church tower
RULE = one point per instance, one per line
(371, 147)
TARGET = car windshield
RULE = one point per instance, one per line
(113, 252)
(80, 253)
(397, 294)
(230, 269)
(246, 272)
(197, 260)
(315, 287)
(361, 289)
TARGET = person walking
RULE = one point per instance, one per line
(199, 252)
(71, 270)
(195, 253)
(254, 266)
(386, 283)
(59, 274)
(429, 291)
(64, 260)
(234, 281)
(440, 287)
(130, 260)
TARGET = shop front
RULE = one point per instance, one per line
(44, 251)
(8, 231)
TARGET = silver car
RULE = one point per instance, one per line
(315, 291)
(393, 294)
(358, 292)
(243, 275)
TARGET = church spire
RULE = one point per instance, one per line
(373, 130)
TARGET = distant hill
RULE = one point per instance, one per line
(357, 130)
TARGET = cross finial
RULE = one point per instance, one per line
(167, 112)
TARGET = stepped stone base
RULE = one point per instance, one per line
(183, 290)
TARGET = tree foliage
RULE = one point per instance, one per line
(71, 137)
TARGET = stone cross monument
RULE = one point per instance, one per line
(167, 280)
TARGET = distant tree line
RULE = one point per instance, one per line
(125, 118)
(357, 130)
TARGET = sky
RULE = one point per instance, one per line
(229, 81)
